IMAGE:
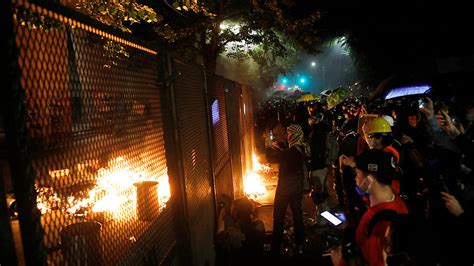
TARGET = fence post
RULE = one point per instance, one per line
(174, 157)
(211, 152)
(18, 148)
(7, 247)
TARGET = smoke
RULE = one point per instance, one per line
(244, 72)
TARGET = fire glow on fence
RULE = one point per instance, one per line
(114, 193)
(253, 184)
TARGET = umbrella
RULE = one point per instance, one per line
(307, 97)
(279, 94)
(337, 96)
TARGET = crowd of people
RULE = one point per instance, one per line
(403, 176)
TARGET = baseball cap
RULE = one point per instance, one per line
(379, 162)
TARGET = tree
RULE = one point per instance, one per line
(274, 30)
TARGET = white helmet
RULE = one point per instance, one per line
(389, 120)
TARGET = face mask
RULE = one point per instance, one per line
(470, 117)
(360, 190)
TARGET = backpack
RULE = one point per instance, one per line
(332, 149)
(351, 251)
(306, 174)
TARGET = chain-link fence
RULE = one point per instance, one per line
(91, 184)
(110, 161)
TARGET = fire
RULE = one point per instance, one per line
(254, 186)
(164, 190)
(46, 199)
(114, 192)
(257, 166)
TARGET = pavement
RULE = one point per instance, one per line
(315, 251)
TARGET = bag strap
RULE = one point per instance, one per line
(383, 215)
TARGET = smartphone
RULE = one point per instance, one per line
(421, 104)
(334, 220)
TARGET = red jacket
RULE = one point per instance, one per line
(372, 246)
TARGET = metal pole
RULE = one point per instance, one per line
(7, 247)
(211, 153)
(324, 81)
(18, 144)
(174, 159)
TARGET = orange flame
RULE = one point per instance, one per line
(113, 193)
(257, 166)
(254, 187)
(253, 184)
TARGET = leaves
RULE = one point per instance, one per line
(119, 14)
(33, 20)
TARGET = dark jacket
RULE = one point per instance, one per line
(290, 170)
(317, 143)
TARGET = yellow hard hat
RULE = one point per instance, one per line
(379, 125)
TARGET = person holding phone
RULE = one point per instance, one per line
(290, 187)
(374, 173)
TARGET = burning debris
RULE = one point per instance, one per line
(261, 168)
(112, 195)
(254, 186)
(46, 199)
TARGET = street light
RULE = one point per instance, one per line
(313, 64)
(324, 82)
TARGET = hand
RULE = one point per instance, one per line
(406, 139)
(452, 204)
(449, 128)
(348, 161)
(441, 120)
(276, 145)
(336, 255)
(428, 109)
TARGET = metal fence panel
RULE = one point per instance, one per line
(233, 100)
(219, 138)
(220, 141)
(194, 137)
(93, 163)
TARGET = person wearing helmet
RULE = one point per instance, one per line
(379, 136)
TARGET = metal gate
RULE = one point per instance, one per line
(219, 136)
(84, 134)
(233, 101)
(193, 128)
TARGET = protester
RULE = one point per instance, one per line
(375, 171)
(290, 189)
